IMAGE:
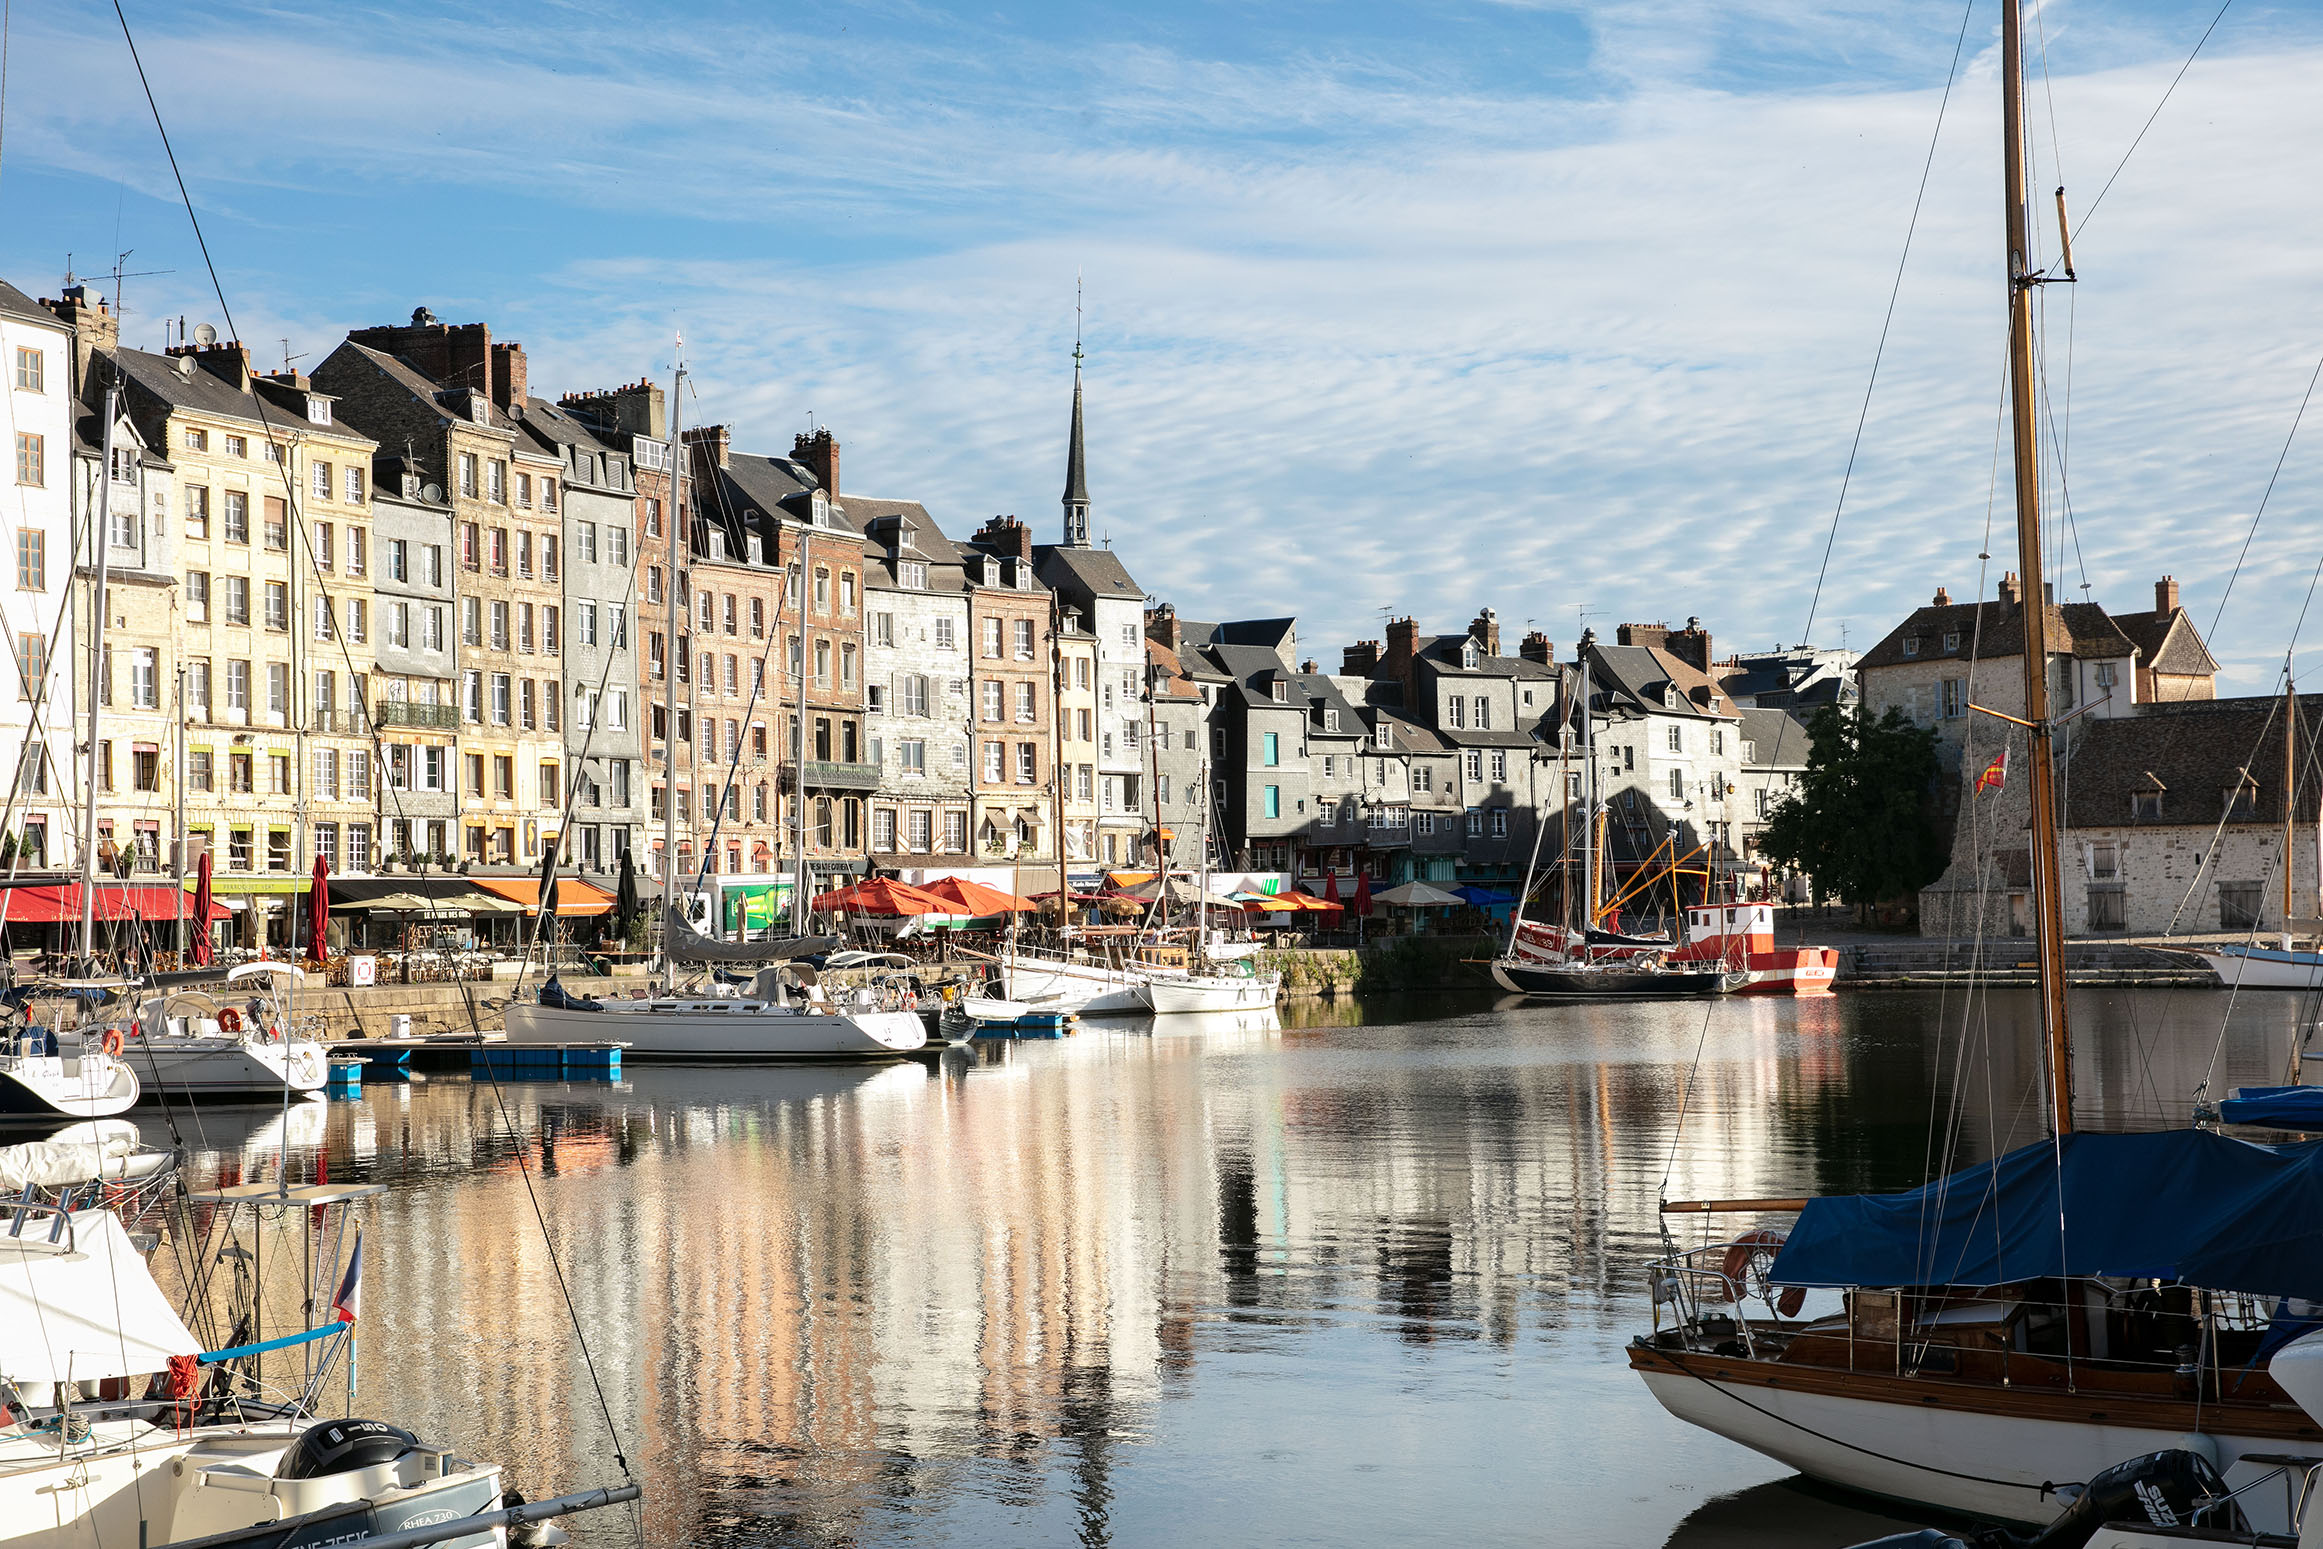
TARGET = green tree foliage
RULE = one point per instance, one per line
(1860, 823)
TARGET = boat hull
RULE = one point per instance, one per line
(1601, 983)
(175, 1068)
(1092, 989)
(1203, 993)
(1814, 974)
(40, 1087)
(1989, 1454)
(2265, 968)
(738, 1031)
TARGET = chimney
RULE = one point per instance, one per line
(713, 441)
(1691, 644)
(1484, 629)
(94, 326)
(1163, 628)
(1536, 648)
(2009, 595)
(637, 409)
(1359, 660)
(508, 376)
(455, 357)
(2165, 596)
(1642, 634)
(228, 361)
(1003, 535)
(1403, 646)
(820, 452)
(1943, 599)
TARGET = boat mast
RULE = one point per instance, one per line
(1532, 864)
(101, 522)
(798, 740)
(669, 679)
(2048, 913)
(1588, 810)
(1057, 618)
(2290, 785)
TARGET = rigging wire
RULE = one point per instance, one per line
(2252, 532)
(2087, 214)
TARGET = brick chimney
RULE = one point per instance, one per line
(1403, 647)
(1642, 634)
(1691, 644)
(93, 324)
(1943, 599)
(1484, 629)
(1003, 535)
(2009, 595)
(2166, 596)
(637, 409)
(508, 375)
(228, 360)
(714, 442)
(1162, 627)
(1536, 648)
(1359, 660)
(820, 452)
(455, 356)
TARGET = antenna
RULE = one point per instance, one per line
(119, 309)
(205, 335)
(288, 357)
(1076, 320)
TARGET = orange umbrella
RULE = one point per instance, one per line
(977, 899)
(884, 895)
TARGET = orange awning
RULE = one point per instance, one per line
(573, 895)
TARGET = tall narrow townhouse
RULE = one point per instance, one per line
(36, 716)
(603, 747)
(822, 561)
(1074, 683)
(916, 685)
(415, 690)
(1010, 619)
(1180, 690)
(448, 392)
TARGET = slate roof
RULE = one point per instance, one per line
(2195, 751)
(1776, 736)
(1632, 676)
(2168, 642)
(1445, 652)
(14, 303)
(554, 427)
(450, 402)
(1410, 736)
(1168, 670)
(928, 543)
(1269, 633)
(1099, 572)
(1323, 694)
(2081, 629)
(1487, 739)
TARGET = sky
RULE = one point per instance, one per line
(1563, 310)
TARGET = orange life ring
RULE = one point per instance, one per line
(229, 1020)
(111, 1042)
(1736, 1270)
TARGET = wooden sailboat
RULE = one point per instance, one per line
(2038, 1319)
(2283, 964)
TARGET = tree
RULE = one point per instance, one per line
(1860, 822)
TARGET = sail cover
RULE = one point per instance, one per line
(2277, 1107)
(94, 1312)
(687, 945)
(2179, 1205)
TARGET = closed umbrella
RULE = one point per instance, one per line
(1331, 889)
(625, 896)
(1362, 894)
(548, 883)
(318, 912)
(202, 951)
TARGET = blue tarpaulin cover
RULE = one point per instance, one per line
(2179, 1205)
(1484, 897)
(2279, 1107)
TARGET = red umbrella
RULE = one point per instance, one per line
(319, 912)
(883, 895)
(1363, 892)
(1331, 890)
(202, 906)
(977, 899)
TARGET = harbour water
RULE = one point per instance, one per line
(1361, 1279)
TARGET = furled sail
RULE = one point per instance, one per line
(687, 945)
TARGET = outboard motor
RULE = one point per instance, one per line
(2161, 1489)
(342, 1446)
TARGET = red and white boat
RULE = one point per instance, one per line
(1742, 936)
(1539, 944)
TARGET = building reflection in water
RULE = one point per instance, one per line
(839, 1305)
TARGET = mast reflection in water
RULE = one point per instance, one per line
(1332, 1284)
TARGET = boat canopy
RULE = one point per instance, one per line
(687, 945)
(2276, 1107)
(2187, 1205)
(91, 1313)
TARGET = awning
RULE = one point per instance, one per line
(2176, 1205)
(53, 905)
(574, 897)
(227, 884)
(445, 897)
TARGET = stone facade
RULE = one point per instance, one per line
(1011, 664)
(917, 683)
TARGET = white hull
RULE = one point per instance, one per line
(1093, 989)
(1167, 997)
(38, 1086)
(219, 1065)
(1983, 1465)
(985, 1009)
(734, 1029)
(2266, 968)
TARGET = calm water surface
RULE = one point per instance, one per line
(1356, 1281)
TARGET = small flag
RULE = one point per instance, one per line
(348, 1299)
(1995, 775)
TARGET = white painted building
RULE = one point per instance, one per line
(36, 716)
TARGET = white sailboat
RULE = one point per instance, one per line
(1225, 987)
(188, 1043)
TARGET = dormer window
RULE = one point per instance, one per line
(318, 410)
(1669, 696)
(1952, 640)
(991, 571)
(1330, 719)
(819, 507)
(912, 575)
(1912, 645)
(2145, 806)
(1281, 691)
(1385, 738)
(1468, 654)
(479, 408)
(2242, 802)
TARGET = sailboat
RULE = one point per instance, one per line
(1222, 986)
(2286, 965)
(1580, 961)
(226, 1033)
(786, 1014)
(2035, 1320)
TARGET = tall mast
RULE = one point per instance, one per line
(798, 741)
(1588, 809)
(669, 678)
(2048, 913)
(100, 521)
(2290, 787)
(1057, 759)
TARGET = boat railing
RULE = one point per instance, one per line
(39, 1226)
(1690, 1281)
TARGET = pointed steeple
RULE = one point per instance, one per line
(1076, 475)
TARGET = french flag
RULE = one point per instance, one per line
(347, 1301)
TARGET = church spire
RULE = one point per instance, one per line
(1076, 477)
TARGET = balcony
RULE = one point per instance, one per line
(397, 712)
(827, 776)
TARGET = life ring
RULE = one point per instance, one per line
(1741, 1254)
(229, 1020)
(111, 1042)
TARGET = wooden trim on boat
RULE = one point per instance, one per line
(1727, 1207)
(2021, 1403)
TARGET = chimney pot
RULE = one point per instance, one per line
(1943, 598)
(2166, 596)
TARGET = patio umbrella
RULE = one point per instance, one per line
(977, 899)
(202, 951)
(548, 883)
(1419, 895)
(1362, 893)
(883, 895)
(318, 912)
(1331, 889)
(625, 896)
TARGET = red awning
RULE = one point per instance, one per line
(60, 904)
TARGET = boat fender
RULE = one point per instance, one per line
(111, 1042)
(229, 1020)
(342, 1446)
(1736, 1270)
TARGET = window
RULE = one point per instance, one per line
(237, 516)
(322, 618)
(1456, 706)
(1912, 646)
(883, 830)
(2105, 675)
(201, 770)
(1718, 739)
(1483, 713)
(1954, 698)
(912, 575)
(1475, 763)
(32, 560)
(1025, 702)
(278, 605)
(1677, 785)
(1500, 768)
(500, 698)
(524, 490)
(31, 459)
(236, 446)
(992, 639)
(198, 686)
(2242, 803)
(31, 370)
(653, 518)
(278, 524)
(955, 833)
(1272, 801)
(2145, 806)
(278, 688)
(197, 439)
(944, 634)
(995, 705)
(1475, 823)
(822, 590)
(197, 510)
(326, 776)
(1024, 639)
(320, 476)
(913, 754)
(1500, 822)
(548, 556)
(318, 410)
(237, 598)
(2238, 905)
(2104, 862)
(278, 774)
(238, 686)
(504, 777)
(499, 550)
(995, 755)
(496, 482)
(1677, 736)
(354, 485)
(915, 694)
(500, 625)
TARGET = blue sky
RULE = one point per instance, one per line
(1420, 308)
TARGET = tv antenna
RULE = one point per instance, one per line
(288, 357)
(118, 275)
